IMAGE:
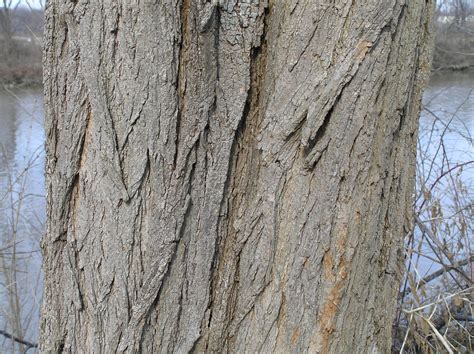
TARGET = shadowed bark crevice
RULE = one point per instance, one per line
(183, 58)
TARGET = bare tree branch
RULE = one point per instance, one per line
(18, 340)
(440, 247)
(440, 272)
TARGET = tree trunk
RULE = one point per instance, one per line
(229, 176)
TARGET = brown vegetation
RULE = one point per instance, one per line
(436, 300)
(20, 40)
(454, 35)
(453, 46)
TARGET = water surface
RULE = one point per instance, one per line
(22, 212)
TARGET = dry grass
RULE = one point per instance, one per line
(436, 302)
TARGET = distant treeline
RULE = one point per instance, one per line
(25, 21)
(21, 30)
(454, 44)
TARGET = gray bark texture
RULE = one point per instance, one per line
(228, 176)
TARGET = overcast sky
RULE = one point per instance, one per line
(33, 3)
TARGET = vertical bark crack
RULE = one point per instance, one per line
(183, 58)
(241, 176)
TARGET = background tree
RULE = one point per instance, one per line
(461, 11)
(6, 9)
(21, 27)
(231, 176)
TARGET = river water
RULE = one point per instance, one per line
(445, 169)
(450, 114)
(22, 212)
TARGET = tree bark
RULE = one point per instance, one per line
(229, 176)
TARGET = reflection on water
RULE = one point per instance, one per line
(449, 114)
(22, 212)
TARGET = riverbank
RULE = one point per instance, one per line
(453, 47)
(21, 64)
(21, 79)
